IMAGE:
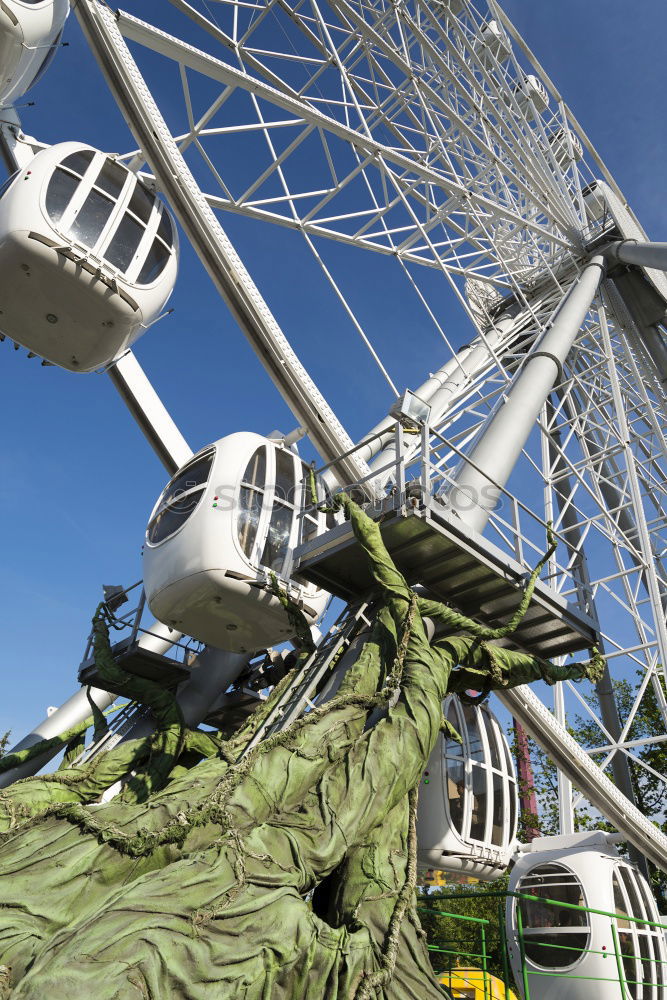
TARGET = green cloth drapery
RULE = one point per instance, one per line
(200, 889)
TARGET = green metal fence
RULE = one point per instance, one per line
(472, 947)
(457, 940)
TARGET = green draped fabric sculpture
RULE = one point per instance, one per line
(285, 872)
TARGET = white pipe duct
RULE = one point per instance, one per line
(495, 454)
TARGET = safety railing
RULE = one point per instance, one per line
(473, 963)
(653, 980)
(128, 628)
(471, 949)
(513, 526)
(421, 471)
(488, 949)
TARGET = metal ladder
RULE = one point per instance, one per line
(121, 724)
(298, 696)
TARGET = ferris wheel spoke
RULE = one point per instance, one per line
(305, 113)
(585, 416)
(207, 236)
(434, 99)
(497, 102)
(490, 86)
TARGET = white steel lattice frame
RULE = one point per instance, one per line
(421, 145)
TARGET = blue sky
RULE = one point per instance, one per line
(78, 481)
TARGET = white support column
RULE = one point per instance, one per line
(442, 386)
(651, 255)
(150, 413)
(71, 713)
(494, 456)
(565, 810)
(211, 673)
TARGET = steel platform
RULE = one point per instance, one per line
(140, 662)
(433, 548)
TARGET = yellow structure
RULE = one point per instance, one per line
(472, 984)
(431, 877)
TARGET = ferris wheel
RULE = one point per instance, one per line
(423, 136)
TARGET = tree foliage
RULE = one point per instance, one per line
(650, 788)
(456, 942)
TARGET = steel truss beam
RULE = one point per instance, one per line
(210, 241)
(574, 762)
(134, 29)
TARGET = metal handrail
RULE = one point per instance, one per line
(484, 924)
(131, 621)
(432, 478)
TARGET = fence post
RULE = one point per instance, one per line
(485, 979)
(522, 951)
(426, 466)
(619, 962)
(137, 619)
(503, 948)
(400, 465)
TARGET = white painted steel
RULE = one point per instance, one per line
(651, 255)
(16, 148)
(149, 412)
(212, 671)
(511, 222)
(72, 712)
(162, 42)
(76, 710)
(207, 236)
(496, 452)
(585, 775)
(602, 199)
(442, 387)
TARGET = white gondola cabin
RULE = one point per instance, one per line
(591, 953)
(532, 95)
(468, 806)
(225, 522)
(454, 7)
(30, 33)
(565, 145)
(88, 257)
(492, 43)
